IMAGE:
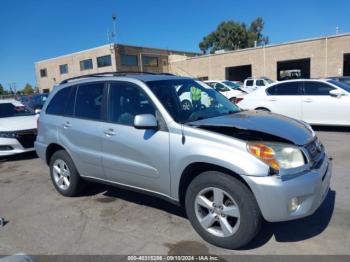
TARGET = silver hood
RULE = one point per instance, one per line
(261, 122)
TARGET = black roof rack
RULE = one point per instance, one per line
(120, 73)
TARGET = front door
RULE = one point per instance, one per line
(134, 157)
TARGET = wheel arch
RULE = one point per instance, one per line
(51, 149)
(195, 169)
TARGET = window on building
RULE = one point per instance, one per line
(103, 61)
(128, 60)
(89, 101)
(126, 101)
(284, 89)
(149, 60)
(43, 72)
(316, 88)
(63, 69)
(86, 64)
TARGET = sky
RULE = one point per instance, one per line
(33, 30)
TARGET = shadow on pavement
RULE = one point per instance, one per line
(344, 129)
(290, 231)
(297, 230)
(18, 157)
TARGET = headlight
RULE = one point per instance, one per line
(7, 135)
(276, 155)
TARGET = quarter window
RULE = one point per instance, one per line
(86, 64)
(103, 61)
(150, 60)
(57, 104)
(284, 89)
(125, 102)
(89, 101)
(63, 69)
(249, 83)
(316, 89)
(128, 60)
(43, 72)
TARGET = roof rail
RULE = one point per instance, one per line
(120, 73)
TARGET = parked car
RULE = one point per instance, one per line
(229, 89)
(252, 84)
(17, 128)
(35, 102)
(184, 94)
(319, 102)
(342, 79)
(228, 168)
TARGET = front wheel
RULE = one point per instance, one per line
(222, 210)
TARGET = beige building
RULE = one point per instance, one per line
(312, 58)
(107, 58)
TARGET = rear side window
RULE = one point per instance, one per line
(58, 103)
(89, 101)
(284, 89)
(249, 83)
(317, 89)
(260, 83)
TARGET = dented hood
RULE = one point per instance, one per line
(260, 122)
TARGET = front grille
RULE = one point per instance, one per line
(314, 150)
(26, 137)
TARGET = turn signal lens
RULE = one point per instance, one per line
(265, 154)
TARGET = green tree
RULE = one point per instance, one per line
(28, 90)
(231, 35)
(2, 90)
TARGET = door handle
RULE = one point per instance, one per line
(272, 99)
(67, 125)
(307, 100)
(110, 132)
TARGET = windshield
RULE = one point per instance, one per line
(187, 100)
(340, 85)
(12, 110)
(232, 85)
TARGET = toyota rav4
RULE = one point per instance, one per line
(229, 168)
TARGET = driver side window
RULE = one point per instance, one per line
(125, 101)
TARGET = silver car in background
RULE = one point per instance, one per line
(229, 168)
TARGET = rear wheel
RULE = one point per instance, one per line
(64, 175)
(222, 210)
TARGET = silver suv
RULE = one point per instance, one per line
(229, 168)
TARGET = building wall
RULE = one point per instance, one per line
(73, 61)
(326, 55)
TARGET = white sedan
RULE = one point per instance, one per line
(319, 102)
(18, 127)
(230, 90)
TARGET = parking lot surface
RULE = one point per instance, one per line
(106, 220)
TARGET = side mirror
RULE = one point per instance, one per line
(336, 93)
(146, 121)
(37, 111)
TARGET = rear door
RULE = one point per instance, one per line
(285, 99)
(319, 107)
(80, 129)
(134, 157)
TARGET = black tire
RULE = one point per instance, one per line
(263, 109)
(75, 182)
(250, 216)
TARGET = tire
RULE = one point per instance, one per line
(186, 105)
(263, 109)
(69, 184)
(244, 224)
